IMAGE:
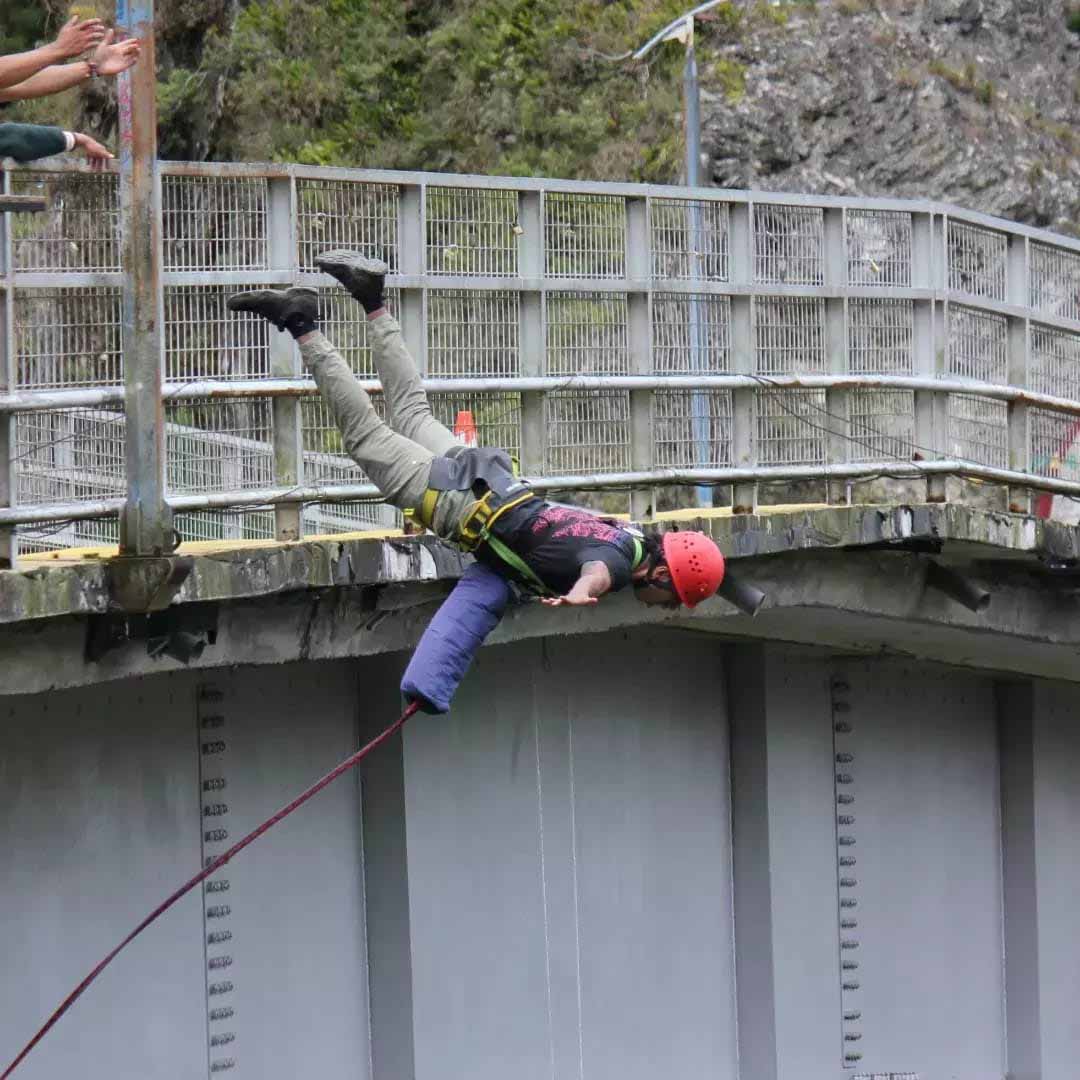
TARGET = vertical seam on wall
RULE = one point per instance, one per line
(847, 883)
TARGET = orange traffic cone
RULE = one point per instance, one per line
(465, 428)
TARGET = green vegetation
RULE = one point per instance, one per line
(21, 25)
(967, 81)
(1072, 18)
(538, 87)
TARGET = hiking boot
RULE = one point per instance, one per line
(295, 309)
(362, 277)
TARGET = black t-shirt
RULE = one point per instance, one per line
(555, 542)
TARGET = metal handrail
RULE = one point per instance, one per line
(343, 493)
(30, 401)
(992, 270)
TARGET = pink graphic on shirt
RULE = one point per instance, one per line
(565, 522)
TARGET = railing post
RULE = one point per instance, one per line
(1019, 361)
(743, 401)
(412, 262)
(8, 421)
(146, 526)
(837, 399)
(532, 330)
(285, 364)
(930, 342)
(639, 329)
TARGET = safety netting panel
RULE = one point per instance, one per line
(977, 349)
(587, 432)
(690, 239)
(1055, 369)
(878, 247)
(215, 223)
(790, 427)
(472, 232)
(789, 338)
(881, 342)
(64, 535)
(225, 525)
(789, 334)
(218, 445)
(344, 323)
(204, 340)
(1055, 362)
(327, 463)
(69, 455)
(584, 236)
(978, 344)
(691, 429)
(789, 243)
(79, 232)
(881, 336)
(473, 334)
(977, 260)
(1055, 280)
(491, 419)
(691, 334)
(587, 334)
(348, 214)
(881, 425)
(67, 338)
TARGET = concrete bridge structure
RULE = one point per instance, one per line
(833, 840)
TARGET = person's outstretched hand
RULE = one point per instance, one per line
(114, 57)
(571, 599)
(96, 154)
(77, 35)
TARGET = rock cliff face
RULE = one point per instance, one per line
(968, 101)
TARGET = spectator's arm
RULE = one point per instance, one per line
(76, 37)
(28, 142)
(51, 80)
(109, 59)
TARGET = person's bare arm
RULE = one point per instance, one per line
(76, 37)
(98, 155)
(595, 580)
(108, 59)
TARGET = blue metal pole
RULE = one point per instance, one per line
(699, 402)
(146, 523)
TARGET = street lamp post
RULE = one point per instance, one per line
(682, 29)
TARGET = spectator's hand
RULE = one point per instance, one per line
(113, 57)
(78, 35)
(95, 153)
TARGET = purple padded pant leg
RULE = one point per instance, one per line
(453, 637)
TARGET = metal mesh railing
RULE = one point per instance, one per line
(604, 334)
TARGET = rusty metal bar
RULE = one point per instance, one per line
(146, 523)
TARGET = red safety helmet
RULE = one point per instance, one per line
(695, 563)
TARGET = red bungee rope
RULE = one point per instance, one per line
(211, 868)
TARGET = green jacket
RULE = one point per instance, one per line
(27, 142)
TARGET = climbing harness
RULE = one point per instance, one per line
(211, 868)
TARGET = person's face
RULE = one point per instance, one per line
(656, 590)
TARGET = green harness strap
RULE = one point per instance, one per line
(515, 561)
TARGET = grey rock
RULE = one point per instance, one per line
(965, 101)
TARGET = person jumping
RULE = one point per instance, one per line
(470, 496)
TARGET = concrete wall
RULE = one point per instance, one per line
(622, 854)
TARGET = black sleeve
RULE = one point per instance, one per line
(617, 563)
(28, 142)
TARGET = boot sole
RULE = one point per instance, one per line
(348, 260)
